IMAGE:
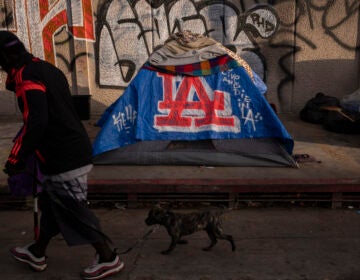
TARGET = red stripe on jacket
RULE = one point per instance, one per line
(21, 89)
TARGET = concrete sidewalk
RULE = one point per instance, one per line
(334, 170)
(336, 163)
(337, 159)
(272, 244)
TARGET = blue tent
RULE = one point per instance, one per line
(217, 119)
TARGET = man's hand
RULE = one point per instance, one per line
(13, 169)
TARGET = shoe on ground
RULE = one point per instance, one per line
(101, 270)
(23, 254)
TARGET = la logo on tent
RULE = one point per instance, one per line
(190, 105)
(193, 104)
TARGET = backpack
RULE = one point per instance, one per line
(313, 112)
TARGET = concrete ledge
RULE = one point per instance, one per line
(228, 185)
(228, 191)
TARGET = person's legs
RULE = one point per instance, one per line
(79, 225)
(64, 210)
(103, 250)
(34, 254)
(48, 226)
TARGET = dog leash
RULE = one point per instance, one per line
(53, 197)
(146, 235)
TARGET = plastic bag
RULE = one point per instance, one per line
(22, 184)
(351, 102)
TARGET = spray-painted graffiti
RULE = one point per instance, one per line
(125, 120)
(80, 23)
(128, 31)
(7, 19)
(54, 30)
(334, 16)
(29, 19)
(243, 100)
(123, 33)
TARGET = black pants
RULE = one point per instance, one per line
(73, 219)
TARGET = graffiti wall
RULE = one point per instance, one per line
(297, 47)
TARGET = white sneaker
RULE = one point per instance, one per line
(101, 270)
(23, 254)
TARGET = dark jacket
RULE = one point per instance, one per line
(51, 127)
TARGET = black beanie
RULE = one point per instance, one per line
(11, 49)
(8, 40)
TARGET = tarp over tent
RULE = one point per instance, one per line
(210, 111)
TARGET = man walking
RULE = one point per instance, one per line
(53, 131)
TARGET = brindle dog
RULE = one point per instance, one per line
(178, 225)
